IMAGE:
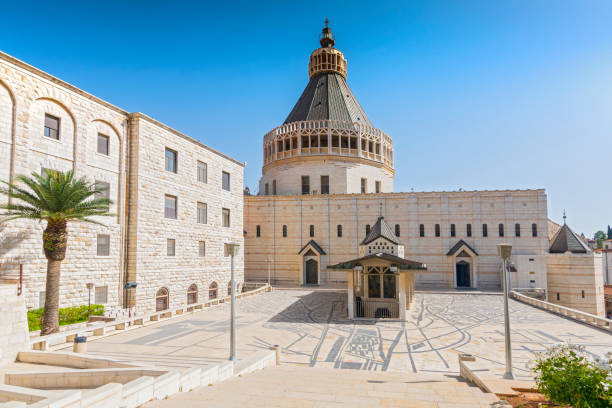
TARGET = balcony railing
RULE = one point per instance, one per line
(377, 309)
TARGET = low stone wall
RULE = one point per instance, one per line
(574, 314)
(14, 335)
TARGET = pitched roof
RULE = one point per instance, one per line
(400, 262)
(316, 247)
(457, 246)
(328, 97)
(566, 240)
(380, 229)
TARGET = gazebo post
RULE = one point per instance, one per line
(351, 297)
(402, 296)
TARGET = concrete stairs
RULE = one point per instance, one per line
(294, 386)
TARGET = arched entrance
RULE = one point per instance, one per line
(311, 267)
(462, 269)
(192, 294)
(161, 300)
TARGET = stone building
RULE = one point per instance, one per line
(327, 177)
(176, 200)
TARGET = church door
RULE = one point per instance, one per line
(312, 272)
(463, 274)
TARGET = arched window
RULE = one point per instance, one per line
(229, 288)
(212, 291)
(192, 294)
(162, 300)
(312, 231)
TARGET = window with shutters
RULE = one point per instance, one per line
(103, 144)
(170, 247)
(225, 180)
(170, 207)
(171, 160)
(202, 172)
(103, 245)
(52, 124)
(202, 213)
(101, 295)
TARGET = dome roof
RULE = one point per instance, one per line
(328, 97)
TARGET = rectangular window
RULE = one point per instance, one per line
(226, 217)
(101, 295)
(171, 160)
(364, 185)
(367, 229)
(305, 185)
(517, 230)
(170, 207)
(397, 230)
(202, 248)
(437, 230)
(377, 186)
(103, 245)
(202, 172)
(225, 180)
(170, 247)
(373, 286)
(422, 230)
(468, 230)
(52, 127)
(104, 188)
(501, 230)
(453, 230)
(103, 144)
(273, 187)
(284, 231)
(266, 189)
(339, 230)
(258, 231)
(485, 230)
(202, 213)
(312, 231)
(534, 230)
(583, 294)
(558, 297)
(324, 184)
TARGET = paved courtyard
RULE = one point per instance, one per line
(312, 328)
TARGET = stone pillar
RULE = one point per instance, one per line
(402, 296)
(351, 297)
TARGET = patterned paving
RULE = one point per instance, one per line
(313, 330)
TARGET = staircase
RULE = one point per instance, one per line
(294, 386)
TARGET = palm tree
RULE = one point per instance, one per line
(56, 198)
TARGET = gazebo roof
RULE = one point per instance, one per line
(400, 262)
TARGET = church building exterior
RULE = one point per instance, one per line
(327, 179)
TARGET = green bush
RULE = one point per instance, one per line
(67, 315)
(567, 375)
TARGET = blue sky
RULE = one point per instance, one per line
(475, 94)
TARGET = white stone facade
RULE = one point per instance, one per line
(134, 166)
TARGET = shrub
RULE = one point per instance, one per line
(67, 315)
(566, 374)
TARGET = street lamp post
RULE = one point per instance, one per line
(269, 262)
(504, 251)
(89, 288)
(230, 249)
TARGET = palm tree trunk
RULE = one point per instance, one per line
(50, 322)
(54, 243)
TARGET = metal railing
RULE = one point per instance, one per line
(377, 309)
(13, 274)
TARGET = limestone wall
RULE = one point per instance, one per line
(137, 141)
(409, 210)
(14, 335)
(575, 281)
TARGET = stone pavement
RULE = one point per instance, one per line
(312, 328)
(291, 386)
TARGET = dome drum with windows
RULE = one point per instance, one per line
(327, 144)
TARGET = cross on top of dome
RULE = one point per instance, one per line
(327, 38)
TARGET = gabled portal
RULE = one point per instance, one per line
(310, 263)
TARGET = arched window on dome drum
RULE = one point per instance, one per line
(162, 300)
(212, 291)
(192, 294)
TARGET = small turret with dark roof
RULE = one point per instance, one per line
(566, 240)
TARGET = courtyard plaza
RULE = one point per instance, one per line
(312, 328)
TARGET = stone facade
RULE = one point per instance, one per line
(406, 212)
(14, 335)
(134, 166)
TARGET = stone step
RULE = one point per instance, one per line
(294, 386)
